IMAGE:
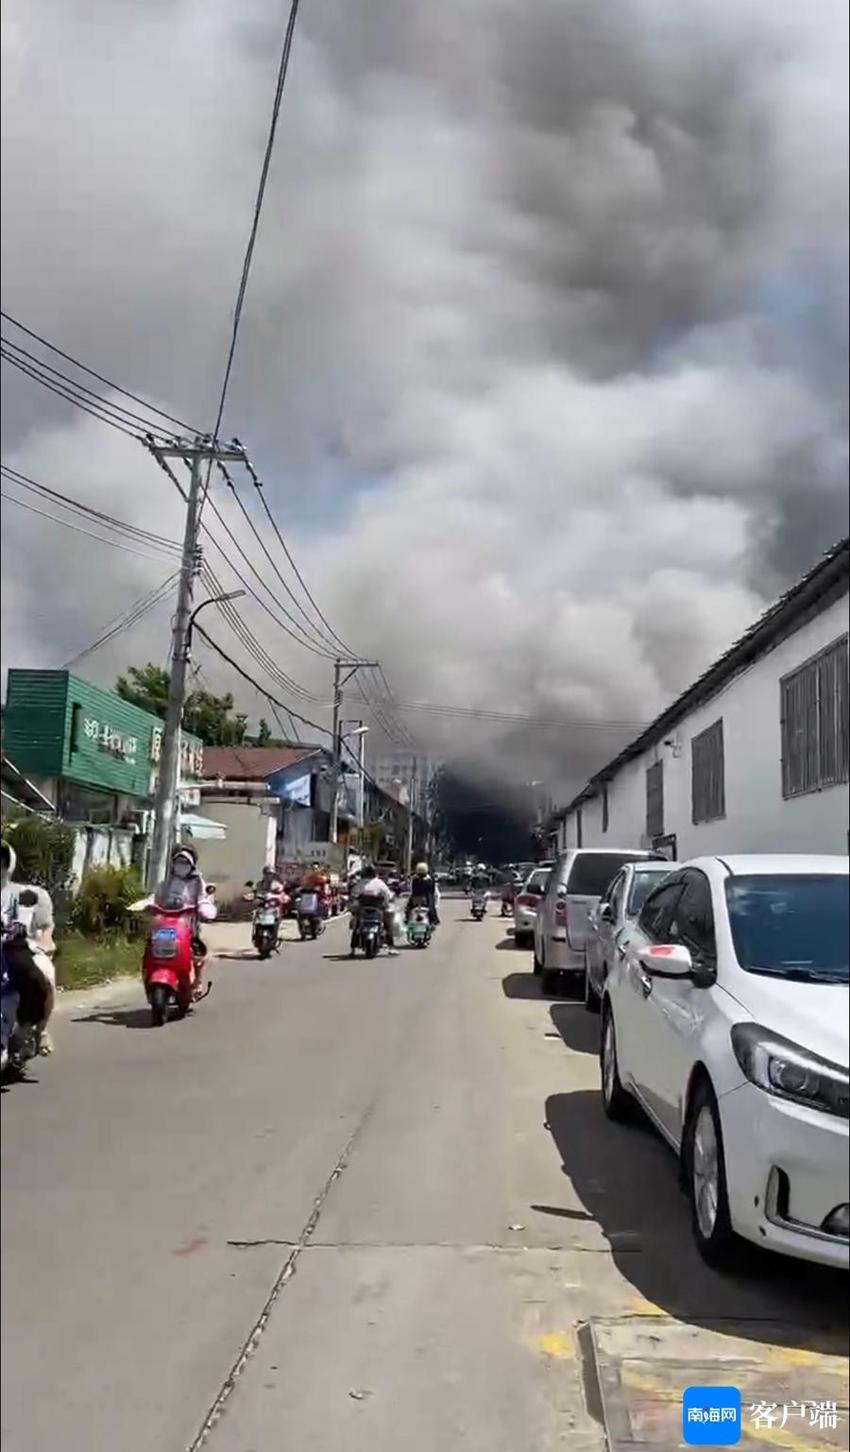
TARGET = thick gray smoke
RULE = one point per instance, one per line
(545, 357)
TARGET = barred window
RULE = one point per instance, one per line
(708, 775)
(655, 800)
(815, 722)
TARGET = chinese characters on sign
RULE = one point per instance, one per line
(111, 740)
(824, 1416)
(712, 1416)
(191, 753)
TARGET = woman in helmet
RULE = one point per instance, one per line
(27, 917)
(185, 887)
(423, 892)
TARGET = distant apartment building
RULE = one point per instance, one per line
(403, 775)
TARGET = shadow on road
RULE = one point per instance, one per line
(132, 1018)
(522, 985)
(578, 1028)
(627, 1180)
(507, 945)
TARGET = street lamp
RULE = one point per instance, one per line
(213, 600)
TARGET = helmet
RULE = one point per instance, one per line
(367, 870)
(479, 867)
(421, 869)
(188, 852)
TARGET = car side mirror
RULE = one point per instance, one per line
(666, 960)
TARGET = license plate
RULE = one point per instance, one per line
(266, 919)
(164, 942)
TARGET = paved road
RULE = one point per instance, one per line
(352, 1206)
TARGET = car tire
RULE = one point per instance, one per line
(704, 1165)
(617, 1103)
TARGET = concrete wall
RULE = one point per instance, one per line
(248, 847)
(96, 846)
(757, 818)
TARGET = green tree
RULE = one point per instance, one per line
(206, 715)
(264, 733)
(45, 851)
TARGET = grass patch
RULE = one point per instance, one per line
(83, 962)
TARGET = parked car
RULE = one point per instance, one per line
(727, 1020)
(526, 904)
(561, 927)
(615, 913)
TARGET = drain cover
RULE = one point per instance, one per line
(643, 1364)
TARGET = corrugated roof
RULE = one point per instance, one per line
(251, 763)
(826, 581)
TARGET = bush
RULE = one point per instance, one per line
(103, 901)
(45, 852)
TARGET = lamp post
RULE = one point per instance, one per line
(213, 600)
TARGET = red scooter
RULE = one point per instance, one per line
(172, 964)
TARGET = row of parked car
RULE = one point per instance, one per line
(723, 990)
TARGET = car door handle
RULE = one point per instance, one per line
(645, 984)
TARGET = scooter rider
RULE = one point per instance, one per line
(28, 951)
(185, 887)
(374, 892)
(423, 893)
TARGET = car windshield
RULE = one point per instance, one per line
(791, 926)
(642, 885)
(592, 872)
(538, 880)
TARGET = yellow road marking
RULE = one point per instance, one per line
(781, 1437)
(559, 1345)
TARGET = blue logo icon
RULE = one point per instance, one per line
(711, 1416)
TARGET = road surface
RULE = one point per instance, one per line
(353, 1207)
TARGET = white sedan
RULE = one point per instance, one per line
(727, 1019)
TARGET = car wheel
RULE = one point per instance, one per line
(616, 1102)
(705, 1172)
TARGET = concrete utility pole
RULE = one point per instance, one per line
(411, 798)
(168, 784)
(351, 667)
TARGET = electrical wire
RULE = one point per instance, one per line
(70, 397)
(84, 368)
(305, 721)
(255, 224)
(53, 495)
(123, 622)
(67, 524)
(20, 356)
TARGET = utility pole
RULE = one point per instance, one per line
(194, 454)
(411, 798)
(351, 667)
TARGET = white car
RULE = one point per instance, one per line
(527, 902)
(613, 917)
(573, 889)
(727, 1019)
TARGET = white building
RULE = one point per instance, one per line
(753, 757)
(403, 774)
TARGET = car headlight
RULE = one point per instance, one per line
(784, 1069)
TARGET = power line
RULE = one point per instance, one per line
(43, 491)
(513, 717)
(101, 412)
(305, 721)
(67, 524)
(129, 618)
(84, 368)
(255, 221)
(20, 356)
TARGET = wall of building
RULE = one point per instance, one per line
(758, 818)
(247, 848)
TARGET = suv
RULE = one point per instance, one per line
(561, 929)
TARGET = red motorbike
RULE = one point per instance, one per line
(173, 958)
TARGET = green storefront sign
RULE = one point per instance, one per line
(60, 727)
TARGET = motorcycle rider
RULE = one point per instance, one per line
(423, 893)
(185, 887)
(374, 892)
(31, 969)
(480, 882)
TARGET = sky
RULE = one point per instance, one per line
(544, 357)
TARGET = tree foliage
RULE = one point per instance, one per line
(206, 715)
(45, 852)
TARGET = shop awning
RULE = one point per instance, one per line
(202, 829)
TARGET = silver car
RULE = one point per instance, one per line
(561, 927)
(526, 904)
(609, 922)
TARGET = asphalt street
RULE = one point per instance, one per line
(351, 1206)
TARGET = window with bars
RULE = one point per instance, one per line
(815, 722)
(655, 800)
(708, 775)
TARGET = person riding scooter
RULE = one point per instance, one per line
(374, 893)
(423, 893)
(185, 887)
(29, 930)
